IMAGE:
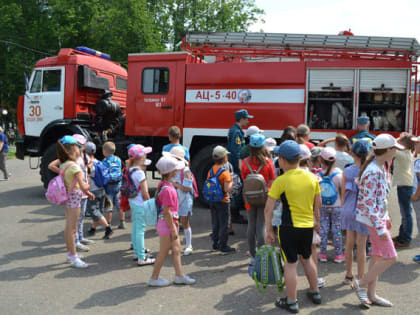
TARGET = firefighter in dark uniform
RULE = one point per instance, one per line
(236, 140)
(363, 127)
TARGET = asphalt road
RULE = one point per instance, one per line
(34, 279)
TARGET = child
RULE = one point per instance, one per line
(316, 166)
(331, 214)
(174, 136)
(356, 232)
(220, 210)
(67, 152)
(403, 179)
(113, 163)
(371, 210)
(167, 225)
(184, 187)
(259, 163)
(95, 208)
(303, 134)
(300, 191)
(138, 164)
(342, 146)
(270, 144)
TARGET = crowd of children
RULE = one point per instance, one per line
(318, 190)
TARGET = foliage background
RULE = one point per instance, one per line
(35, 29)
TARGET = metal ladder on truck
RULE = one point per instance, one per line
(303, 46)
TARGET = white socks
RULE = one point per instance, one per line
(188, 236)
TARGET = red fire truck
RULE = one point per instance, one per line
(325, 81)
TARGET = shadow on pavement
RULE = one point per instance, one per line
(55, 213)
(114, 296)
(401, 273)
(27, 273)
(33, 196)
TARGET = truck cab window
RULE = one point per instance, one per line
(155, 81)
(121, 84)
(36, 83)
(51, 81)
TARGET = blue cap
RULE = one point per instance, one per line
(360, 148)
(289, 150)
(242, 113)
(257, 140)
(69, 140)
(363, 120)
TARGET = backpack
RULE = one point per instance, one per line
(101, 177)
(128, 188)
(237, 185)
(212, 190)
(267, 269)
(195, 189)
(57, 191)
(151, 210)
(329, 193)
(114, 168)
(254, 188)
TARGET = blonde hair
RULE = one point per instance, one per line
(301, 132)
(109, 147)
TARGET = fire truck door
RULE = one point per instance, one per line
(161, 97)
(44, 101)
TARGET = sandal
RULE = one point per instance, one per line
(377, 300)
(292, 307)
(146, 262)
(348, 280)
(361, 294)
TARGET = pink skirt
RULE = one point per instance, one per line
(380, 248)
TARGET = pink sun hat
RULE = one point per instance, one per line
(80, 139)
(137, 151)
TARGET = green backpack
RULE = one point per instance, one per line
(268, 269)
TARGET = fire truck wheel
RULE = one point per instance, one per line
(49, 155)
(200, 165)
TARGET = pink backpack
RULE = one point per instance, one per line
(57, 191)
(195, 189)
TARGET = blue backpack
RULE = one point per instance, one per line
(113, 164)
(212, 190)
(329, 194)
(101, 177)
(151, 210)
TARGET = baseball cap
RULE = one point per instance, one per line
(168, 163)
(79, 138)
(257, 140)
(242, 113)
(69, 140)
(360, 148)
(304, 152)
(270, 144)
(219, 152)
(316, 151)
(386, 141)
(288, 150)
(137, 151)
(363, 120)
(90, 148)
(252, 130)
(328, 154)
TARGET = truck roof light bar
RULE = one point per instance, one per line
(93, 52)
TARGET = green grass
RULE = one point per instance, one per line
(11, 155)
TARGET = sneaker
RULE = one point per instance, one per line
(322, 257)
(108, 232)
(315, 297)
(188, 251)
(86, 241)
(78, 263)
(416, 259)
(160, 282)
(396, 239)
(339, 259)
(215, 247)
(82, 248)
(184, 280)
(292, 307)
(147, 261)
(402, 245)
(91, 231)
(321, 283)
(122, 225)
(68, 257)
(227, 250)
(131, 247)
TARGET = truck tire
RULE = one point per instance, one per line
(200, 166)
(49, 155)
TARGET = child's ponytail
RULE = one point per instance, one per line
(63, 151)
(369, 159)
